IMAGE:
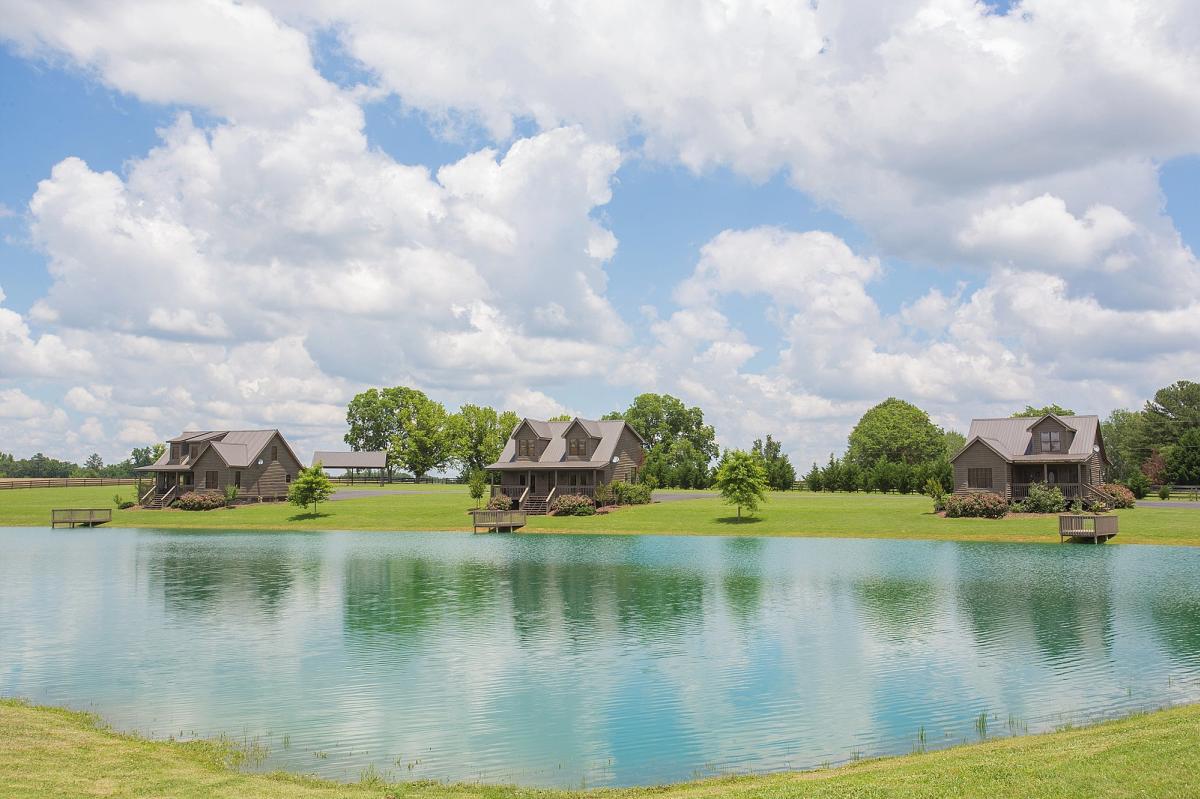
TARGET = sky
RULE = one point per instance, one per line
(237, 215)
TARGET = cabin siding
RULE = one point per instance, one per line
(270, 479)
(980, 456)
(630, 456)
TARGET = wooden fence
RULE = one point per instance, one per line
(65, 482)
(1185, 493)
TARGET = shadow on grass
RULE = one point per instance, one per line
(739, 520)
(308, 516)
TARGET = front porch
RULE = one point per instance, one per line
(1066, 477)
(533, 490)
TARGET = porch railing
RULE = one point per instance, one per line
(1020, 491)
(583, 491)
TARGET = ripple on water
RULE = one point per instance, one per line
(589, 660)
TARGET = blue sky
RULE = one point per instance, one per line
(784, 242)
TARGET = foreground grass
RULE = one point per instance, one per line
(52, 752)
(784, 514)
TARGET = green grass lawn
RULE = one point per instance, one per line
(49, 752)
(437, 507)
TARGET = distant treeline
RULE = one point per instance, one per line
(40, 465)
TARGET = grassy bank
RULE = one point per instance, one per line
(51, 752)
(430, 507)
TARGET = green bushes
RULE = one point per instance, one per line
(196, 501)
(630, 493)
(1139, 484)
(937, 492)
(984, 505)
(1043, 499)
(500, 502)
(572, 505)
(1122, 497)
(1164, 492)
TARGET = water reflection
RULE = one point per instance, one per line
(556, 661)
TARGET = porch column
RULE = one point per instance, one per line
(1045, 473)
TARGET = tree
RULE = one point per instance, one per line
(812, 480)
(1173, 412)
(954, 441)
(663, 419)
(477, 435)
(403, 422)
(7, 462)
(1036, 413)
(1183, 459)
(678, 466)
(742, 480)
(781, 475)
(831, 475)
(1155, 467)
(144, 456)
(898, 431)
(94, 463)
(422, 442)
(476, 484)
(311, 487)
(1122, 435)
(562, 417)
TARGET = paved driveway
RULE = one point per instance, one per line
(1170, 503)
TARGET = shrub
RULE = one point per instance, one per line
(125, 504)
(196, 501)
(630, 493)
(118, 499)
(500, 502)
(1122, 497)
(231, 494)
(1139, 484)
(1043, 499)
(1164, 492)
(933, 487)
(573, 505)
(603, 494)
(984, 505)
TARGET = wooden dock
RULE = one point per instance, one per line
(497, 521)
(79, 517)
(1096, 528)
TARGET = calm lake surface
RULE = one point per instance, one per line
(598, 660)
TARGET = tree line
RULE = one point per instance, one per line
(41, 465)
(1160, 443)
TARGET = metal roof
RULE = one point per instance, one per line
(332, 459)
(238, 448)
(1012, 438)
(608, 431)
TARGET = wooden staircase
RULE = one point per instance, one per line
(157, 500)
(535, 505)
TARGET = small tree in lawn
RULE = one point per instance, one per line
(477, 484)
(742, 480)
(311, 487)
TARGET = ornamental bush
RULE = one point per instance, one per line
(1122, 496)
(500, 502)
(573, 505)
(985, 505)
(1139, 484)
(1043, 499)
(630, 493)
(193, 500)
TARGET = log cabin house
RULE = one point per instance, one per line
(260, 463)
(1006, 456)
(544, 460)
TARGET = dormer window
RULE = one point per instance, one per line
(577, 446)
(525, 448)
(1051, 441)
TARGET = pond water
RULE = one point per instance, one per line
(588, 660)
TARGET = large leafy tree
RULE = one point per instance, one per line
(663, 419)
(781, 475)
(144, 456)
(897, 431)
(478, 434)
(94, 463)
(742, 480)
(411, 428)
(1036, 413)
(422, 442)
(682, 446)
(954, 441)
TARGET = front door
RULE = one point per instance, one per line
(541, 484)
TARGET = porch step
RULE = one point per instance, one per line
(535, 506)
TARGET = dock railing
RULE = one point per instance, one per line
(75, 517)
(1097, 528)
(497, 519)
